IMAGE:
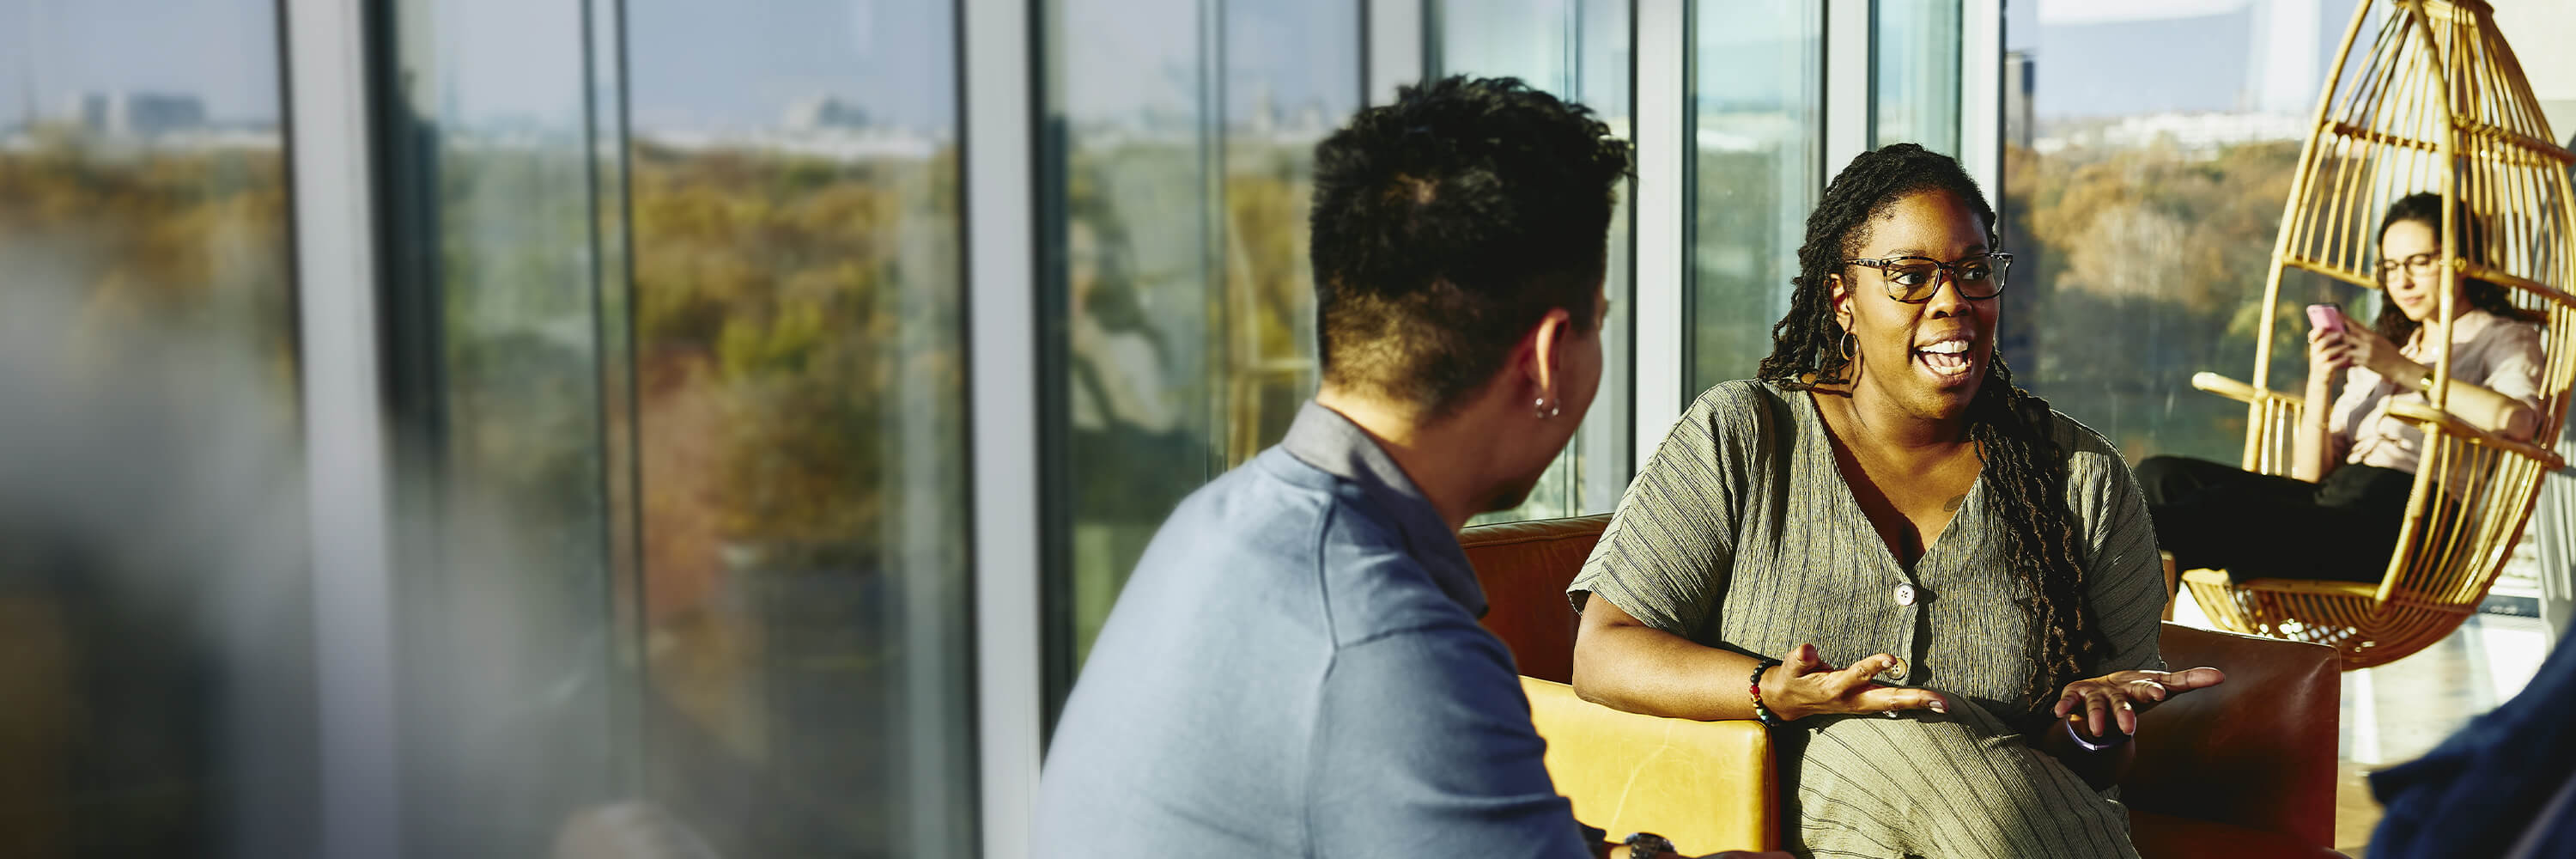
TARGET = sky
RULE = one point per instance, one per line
(698, 65)
(702, 65)
(2079, 12)
(2096, 58)
(694, 64)
(224, 51)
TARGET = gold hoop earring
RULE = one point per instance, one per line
(1850, 344)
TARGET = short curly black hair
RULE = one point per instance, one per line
(1449, 222)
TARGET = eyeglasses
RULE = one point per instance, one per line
(1913, 280)
(2417, 265)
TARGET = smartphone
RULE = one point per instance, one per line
(2325, 317)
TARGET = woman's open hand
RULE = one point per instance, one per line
(1804, 684)
(2119, 696)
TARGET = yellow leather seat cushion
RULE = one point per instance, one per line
(1708, 786)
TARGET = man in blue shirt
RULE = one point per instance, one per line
(1295, 669)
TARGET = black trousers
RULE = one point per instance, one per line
(2260, 526)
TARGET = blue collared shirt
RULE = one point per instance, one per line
(1295, 669)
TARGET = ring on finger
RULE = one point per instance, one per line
(2127, 706)
(1889, 713)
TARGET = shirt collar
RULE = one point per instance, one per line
(1330, 442)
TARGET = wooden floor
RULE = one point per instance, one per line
(2355, 813)
(2397, 712)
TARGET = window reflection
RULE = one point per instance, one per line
(495, 364)
(1180, 310)
(2143, 206)
(800, 407)
(1915, 94)
(1757, 97)
(1579, 50)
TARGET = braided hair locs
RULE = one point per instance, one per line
(2024, 468)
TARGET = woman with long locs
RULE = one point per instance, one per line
(1941, 595)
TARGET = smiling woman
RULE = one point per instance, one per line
(1918, 538)
(1949, 331)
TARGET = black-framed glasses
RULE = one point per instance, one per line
(2414, 265)
(1913, 280)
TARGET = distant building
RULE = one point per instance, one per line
(823, 113)
(2019, 121)
(138, 114)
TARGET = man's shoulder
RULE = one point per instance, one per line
(1375, 586)
(1346, 547)
(1181, 731)
(1268, 593)
(1275, 507)
(1272, 510)
(1278, 544)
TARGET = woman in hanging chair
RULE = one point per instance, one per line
(1963, 582)
(2353, 465)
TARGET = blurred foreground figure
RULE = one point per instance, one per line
(2505, 785)
(155, 698)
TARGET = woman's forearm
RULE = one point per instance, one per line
(2310, 457)
(2481, 406)
(2491, 411)
(1642, 669)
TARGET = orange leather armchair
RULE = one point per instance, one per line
(2245, 769)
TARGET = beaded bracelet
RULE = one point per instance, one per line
(1769, 719)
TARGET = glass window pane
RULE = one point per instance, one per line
(496, 361)
(1578, 50)
(2142, 198)
(1915, 71)
(1757, 97)
(155, 653)
(805, 598)
(1179, 309)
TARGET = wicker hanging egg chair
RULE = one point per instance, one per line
(2435, 102)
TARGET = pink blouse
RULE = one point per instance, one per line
(2489, 351)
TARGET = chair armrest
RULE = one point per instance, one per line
(2240, 391)
(1708, 786)
(1524, 568)
(2429, 417)
(2257, 751)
